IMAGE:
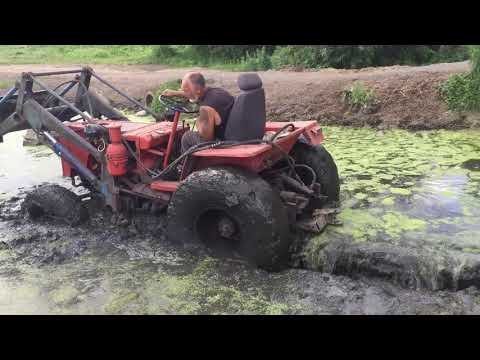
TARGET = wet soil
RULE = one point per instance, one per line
(406, 97)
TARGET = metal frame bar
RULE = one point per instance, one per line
(86, 72)
(123, 94)
(48, 120)
(64, 72)
(68, 88)
(88, 118)
(8, 95)
(82, 90)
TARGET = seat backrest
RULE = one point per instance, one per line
(248, 115)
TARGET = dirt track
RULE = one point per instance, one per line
(408, 96)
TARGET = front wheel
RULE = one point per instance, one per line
(232, 211)
(57, 202)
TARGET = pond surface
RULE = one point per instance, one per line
(402, 187)
(22, 167)
(406, 190)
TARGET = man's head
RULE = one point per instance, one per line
(193, 85)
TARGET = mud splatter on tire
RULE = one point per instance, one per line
(56, 202)
(261, 229)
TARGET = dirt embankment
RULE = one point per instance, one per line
(407, 96)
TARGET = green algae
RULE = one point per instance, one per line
(117, 285)
(65, 295)
(396, 223)
(388, 201)
(400, 191)
(121, 303)
(200, 293)
(416, 187)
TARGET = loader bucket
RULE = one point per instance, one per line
(8, 103)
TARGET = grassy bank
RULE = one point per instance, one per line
(75, 54)
(107, 54)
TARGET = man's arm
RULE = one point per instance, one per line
(206, 121)
(174, 93)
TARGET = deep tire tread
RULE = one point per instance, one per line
(57, 202)
(254, 203)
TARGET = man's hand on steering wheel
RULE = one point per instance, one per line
(182, 106)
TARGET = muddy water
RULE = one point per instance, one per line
(409, 213)
(22, 167)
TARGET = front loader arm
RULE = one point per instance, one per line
(85, 99)
(40, 119)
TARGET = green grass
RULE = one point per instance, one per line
(5, 84)
(75, 54)
(103, 54)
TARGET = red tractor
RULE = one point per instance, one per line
(243, 195)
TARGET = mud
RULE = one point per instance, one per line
(409, 243)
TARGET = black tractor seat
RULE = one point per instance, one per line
(248, 115)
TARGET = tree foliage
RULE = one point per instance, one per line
(311, 56)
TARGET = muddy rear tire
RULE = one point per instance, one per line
(56, 202)
(322, 163)
(231, 211)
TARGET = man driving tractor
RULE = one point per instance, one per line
(215, 105)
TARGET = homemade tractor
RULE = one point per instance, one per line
(242, 195)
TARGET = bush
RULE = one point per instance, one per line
(163, 52)
(257, 61)
(359, 96)
(461, 92)
(451, 53)
(303, 56)
(228, 53)
(349, 56)
(475, 59)
(262, 57)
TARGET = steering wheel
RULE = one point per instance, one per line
(177, 105)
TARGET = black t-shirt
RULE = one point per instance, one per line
(222, 102)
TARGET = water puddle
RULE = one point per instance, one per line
(22, 167)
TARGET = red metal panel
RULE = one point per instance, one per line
(171, 139)
(151, 135)
(242, 151)
(79, 153)
(255, 164)
(252, 157)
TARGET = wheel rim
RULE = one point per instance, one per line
(218, 231)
